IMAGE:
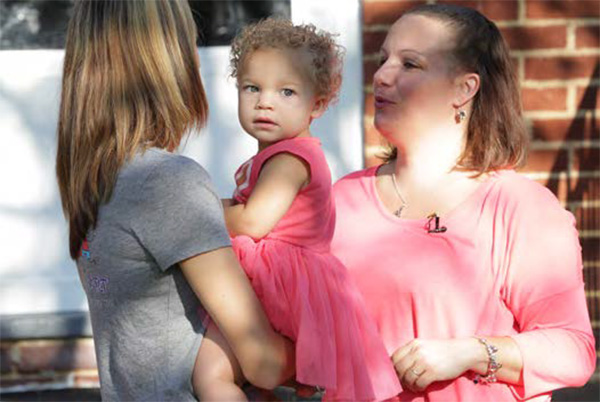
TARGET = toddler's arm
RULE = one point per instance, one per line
(280, 179)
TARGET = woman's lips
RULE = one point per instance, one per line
(381, 101)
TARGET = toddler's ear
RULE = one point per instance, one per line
(319, 108)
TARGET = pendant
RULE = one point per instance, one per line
(398, 212)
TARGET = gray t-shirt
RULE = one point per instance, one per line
(146, 320)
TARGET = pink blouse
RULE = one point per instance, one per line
(509, 264)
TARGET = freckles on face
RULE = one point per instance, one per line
(414, 82)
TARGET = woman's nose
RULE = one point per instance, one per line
(383, 75)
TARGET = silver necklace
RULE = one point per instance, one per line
(398, 212)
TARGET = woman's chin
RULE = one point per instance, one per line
(385, 128)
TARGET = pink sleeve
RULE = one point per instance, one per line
(544, 289)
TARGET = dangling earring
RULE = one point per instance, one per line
(460, 115)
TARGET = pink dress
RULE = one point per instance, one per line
(509, 264)
(306, 291)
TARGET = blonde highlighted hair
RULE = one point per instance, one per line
(130, 81)
(326, 56)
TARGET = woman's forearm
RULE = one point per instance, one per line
(277, 363)
(266, 358)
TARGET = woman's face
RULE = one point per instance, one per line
(414, 86)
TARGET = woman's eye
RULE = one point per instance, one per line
(382, 61)
(251, 88)
(287, 92)
(409, 65)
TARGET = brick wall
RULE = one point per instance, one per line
(556, 46)
(47, 364)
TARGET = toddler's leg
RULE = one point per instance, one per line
(217, 372)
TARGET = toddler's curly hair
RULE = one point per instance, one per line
(325, 54)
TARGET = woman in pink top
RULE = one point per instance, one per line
(472, 273)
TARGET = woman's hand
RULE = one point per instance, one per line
(422, 362)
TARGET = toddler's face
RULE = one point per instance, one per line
(276, 99)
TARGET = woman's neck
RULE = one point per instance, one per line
(428, 158)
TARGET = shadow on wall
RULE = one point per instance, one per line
(576, 187)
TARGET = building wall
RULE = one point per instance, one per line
(556, 48)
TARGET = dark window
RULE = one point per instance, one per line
(42, 24)
(219, 21)
(34, 24)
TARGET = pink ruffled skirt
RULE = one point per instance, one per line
(309, 297)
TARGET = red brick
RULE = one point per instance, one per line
(59, 355)
(544, 99)
(369, 105)
(586, 159)
(369, 69)
(86, 379)
(574, 189)
(588, 98)
(547, 68)
(587, 218)
(386, 12)
(527, 38)
(562, 9)
(567, 129)
(494, 10)
(546, 161)
(587, 37)
(591, 250)
(5, 357)
(372, 41)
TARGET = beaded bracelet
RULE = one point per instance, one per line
(493, 365)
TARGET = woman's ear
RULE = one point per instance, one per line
(467, 86)
(319, 108)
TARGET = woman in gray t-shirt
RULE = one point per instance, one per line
(146, 227)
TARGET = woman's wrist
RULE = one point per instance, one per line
(477, 356)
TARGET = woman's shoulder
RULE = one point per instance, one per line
(358, 174)
(518, 188)
(521, 196)
(159, 172)
(173, 167)
(356, 178)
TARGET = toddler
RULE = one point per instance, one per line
(282, 217)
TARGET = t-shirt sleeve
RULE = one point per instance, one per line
(179, 215)
(544, 289)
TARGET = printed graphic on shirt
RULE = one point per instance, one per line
(98, 284)
(85, 250)
(242, 178)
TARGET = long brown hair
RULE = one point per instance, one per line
(130, 81)
(496, 135)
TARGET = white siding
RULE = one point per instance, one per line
(36, 274)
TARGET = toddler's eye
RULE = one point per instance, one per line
(287, 92)
(250, 88)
